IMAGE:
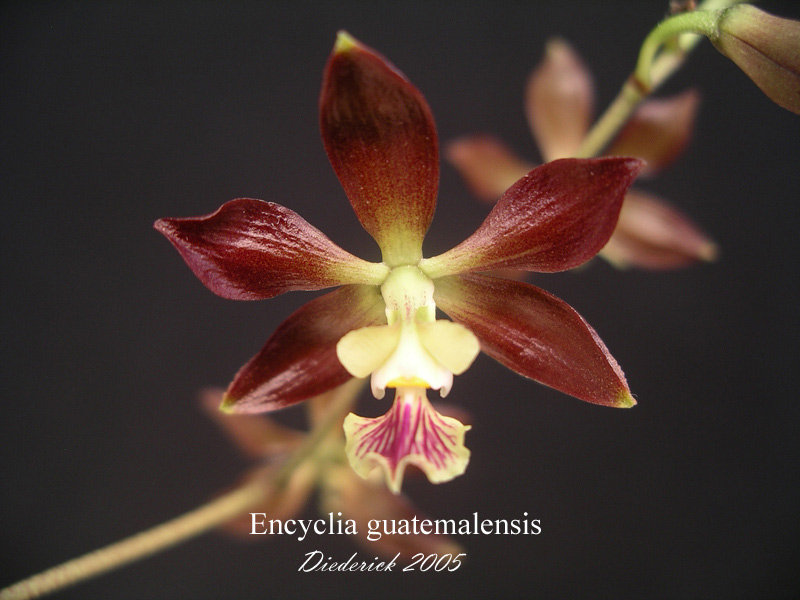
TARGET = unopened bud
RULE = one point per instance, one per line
(766, 48)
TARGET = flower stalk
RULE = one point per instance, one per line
(250, 494)
(140, 545)
(663, 52)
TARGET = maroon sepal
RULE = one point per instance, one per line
(556, 217)
(250, 250)
(535, 334)
(381, 140)
(299, 360)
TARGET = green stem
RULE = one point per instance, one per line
(656, 63)
(200, 520)
(140, 545)
(616, 115)
(698, 22)
(341, 401)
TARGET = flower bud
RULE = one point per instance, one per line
(766, 48)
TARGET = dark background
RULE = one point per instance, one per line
(115, 114)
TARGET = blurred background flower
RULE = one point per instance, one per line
(560, 107)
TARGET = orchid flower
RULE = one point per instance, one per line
(381, 322)
(559, 102)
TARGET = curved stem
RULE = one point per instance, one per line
(654, 66)
(140, 545)
(200, 520)
(701, 22)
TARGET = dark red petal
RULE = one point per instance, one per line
(556, 217)
(299, 360)
(250, 250)
(381, 140)
(535, 334)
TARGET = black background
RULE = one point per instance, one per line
(115, 114)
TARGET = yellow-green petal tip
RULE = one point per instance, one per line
(626, 400)
(228, 404)
(344, 42)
